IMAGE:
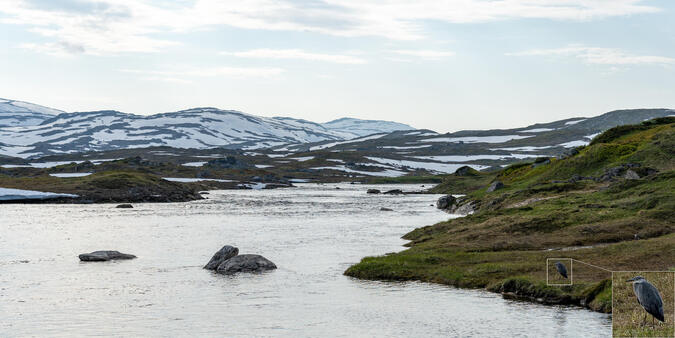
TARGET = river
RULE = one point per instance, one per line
(312, 232)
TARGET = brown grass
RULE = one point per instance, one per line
(629, 316)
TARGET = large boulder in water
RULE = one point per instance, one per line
(445, 202)
(102, 256)
(245, 263)
(222, 255)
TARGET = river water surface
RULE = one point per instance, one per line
(312, 232)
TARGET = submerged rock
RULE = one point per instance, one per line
(222, 255)
(124, 206)
(102, 256)
(386, 209)
(373, 191)
(393, 192)
(245, 263)
(496, 185)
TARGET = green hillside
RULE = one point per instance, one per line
(612, 205)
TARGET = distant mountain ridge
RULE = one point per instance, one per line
(28, 130)
(18, 113)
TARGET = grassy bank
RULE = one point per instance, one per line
(582, 207)
(109, 186)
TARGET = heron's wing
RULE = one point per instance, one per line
(650, 299)
(561, 269)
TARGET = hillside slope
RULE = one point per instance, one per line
(611, 205)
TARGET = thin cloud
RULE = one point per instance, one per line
(297, 54)
(186, 75)
(103, 27)
(425, 53)
(599, 56)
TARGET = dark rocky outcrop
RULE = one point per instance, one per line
(245, 263)
(222, 255)
(466, 171)
(124, 206)
(568, 153)
(102, 256)
(228, 261)
(496, 185)
(373, 191)
(445, 202)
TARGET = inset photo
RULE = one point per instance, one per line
(643, 304)
(559, 271)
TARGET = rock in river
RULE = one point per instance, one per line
(245, 263)
(124, 206)
(373, 191)
(445, 202)
(393, 192)
(222, 255)
(102, 256)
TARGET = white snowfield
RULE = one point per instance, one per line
(569, 123)
(467, 158)
(353, 128)
(193, 164)
(477, 139)
(68, 175)
(7, 194)
(525, 148)
(574, 144)
(407, 147)
(384, 173)
(333, 144)
(431, 166)
(191, 180)
(536, 130)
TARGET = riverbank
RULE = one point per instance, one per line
(611, 204)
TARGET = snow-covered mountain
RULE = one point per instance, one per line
(33, 130)
(19, 113)
(353, 128)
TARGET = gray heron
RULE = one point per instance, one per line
(562, 270)
(648, 297)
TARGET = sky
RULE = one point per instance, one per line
(441, 65)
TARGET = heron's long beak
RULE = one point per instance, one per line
(631, 280)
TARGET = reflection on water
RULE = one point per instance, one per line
(312, 233)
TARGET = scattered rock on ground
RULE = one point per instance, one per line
(631, 175)
(245, 263)
(124, 206)
(496, 185)
(102, 256)
(222, 255)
